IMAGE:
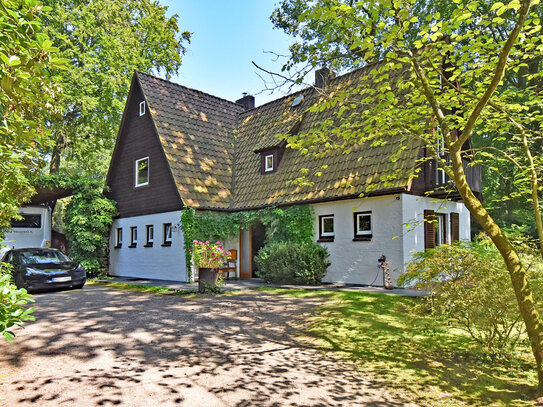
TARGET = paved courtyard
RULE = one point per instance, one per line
(102, 347)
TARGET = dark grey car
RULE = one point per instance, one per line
(43, 268)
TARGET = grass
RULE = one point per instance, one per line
(432, 364)
(142, 288)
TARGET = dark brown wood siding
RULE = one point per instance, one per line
(137, 139)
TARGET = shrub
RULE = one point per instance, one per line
(13, 310)
(470, 286)
(292, 263)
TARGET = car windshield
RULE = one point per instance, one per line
(42, 256)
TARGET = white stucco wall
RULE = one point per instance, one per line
(355, 262)
(157, 262)
(397, 232)
(413, 226)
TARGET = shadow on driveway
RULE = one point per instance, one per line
(100, 346)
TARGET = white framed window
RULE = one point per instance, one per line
(149, 235)
(326, 227)
(133, 236)
(141, 172)
(440, 229)
(119, 237)
(166, 234)
(142, 108)
(268, 163)
(362, 225)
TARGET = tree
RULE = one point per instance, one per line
(105, 41)
(439, 72)
(27, 91)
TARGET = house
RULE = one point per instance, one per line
(180, 147)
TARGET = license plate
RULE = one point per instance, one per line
(60, 279)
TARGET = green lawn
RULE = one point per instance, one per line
(431, 363)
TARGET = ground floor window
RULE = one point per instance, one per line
(167, 234)
(149, 235)
(119, 237)
(362, 226)
(133, 236)
(326, 228)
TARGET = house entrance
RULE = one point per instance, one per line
(250, 242)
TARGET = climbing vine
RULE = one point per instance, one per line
(291, 224)
(87, 219)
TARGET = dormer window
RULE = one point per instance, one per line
(142, 108)
(268, 163)
(142, 172)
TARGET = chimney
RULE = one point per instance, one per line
(323, 77)
(247, 101)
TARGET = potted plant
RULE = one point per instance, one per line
(209, 258)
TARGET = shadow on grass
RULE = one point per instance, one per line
(435, 363)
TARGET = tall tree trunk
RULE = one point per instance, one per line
(54, 166)
(519, 280)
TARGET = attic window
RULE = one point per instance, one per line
(142, 108)
(142, 172)
(297, 101)
(268, 163)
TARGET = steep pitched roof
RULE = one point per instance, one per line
(197, 133)
(211, 145)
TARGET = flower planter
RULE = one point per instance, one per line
(207, 276)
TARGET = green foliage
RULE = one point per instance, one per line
(292, 224)
(105, 42)
(470, 285)
(87, 219)
(13, 310)
(26, 92)
(292, 263)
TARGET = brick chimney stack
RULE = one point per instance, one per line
(323, 77)
(247, 101)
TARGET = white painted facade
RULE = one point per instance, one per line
(397, 231)
(161, 262)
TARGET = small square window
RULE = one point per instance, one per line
(362, 226)
(142, 108)
(142, 172)
(268, 163)
(167, 234)
(119, 237)
(149, 235)
(133, 236)
(326, 228)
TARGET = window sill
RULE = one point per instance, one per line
(325, 240)
(166, 244)
(132, 246)
(118, 246)
(148, 245)
(362, 238)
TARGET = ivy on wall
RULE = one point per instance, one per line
(291, 224)
(87, 219)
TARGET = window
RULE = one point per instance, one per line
(28, 221)
(133, 236)
(149, 235)
(142, 172)
(326, 228)
(435, 229)
(167, 234)
(119, 237)
(268, 163)
(362, 226)
(142, 108)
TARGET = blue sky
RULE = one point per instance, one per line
(227, 36)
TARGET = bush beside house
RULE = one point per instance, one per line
(292, 263)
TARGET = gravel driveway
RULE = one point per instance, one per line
(100, 346)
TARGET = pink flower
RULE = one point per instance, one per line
(228, 253)
(216, 258)
(195, 241)
(213, 254)
(190, 250)
(218, 243)
(207, 241)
